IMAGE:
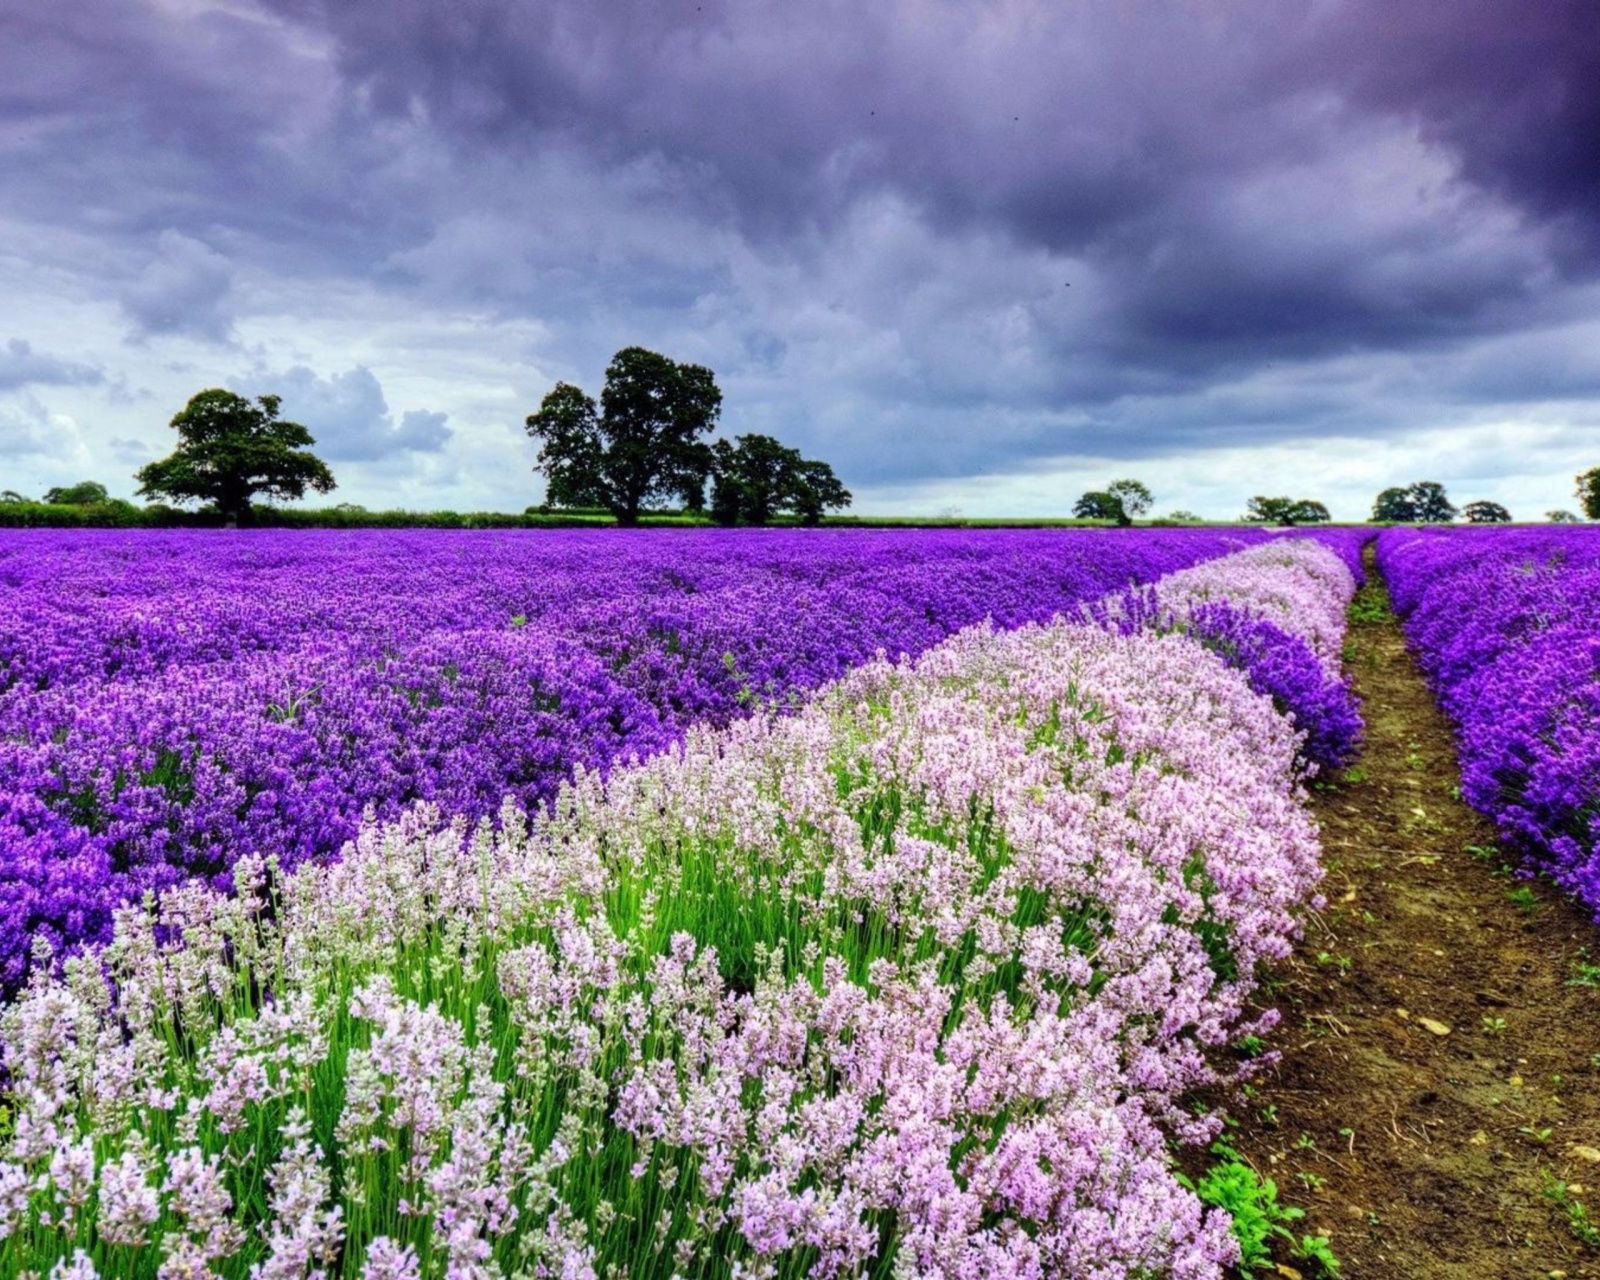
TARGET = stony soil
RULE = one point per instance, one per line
(1440, 1069)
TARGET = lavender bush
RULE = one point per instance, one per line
(1281, 625)
(1505, 625)
(172, 701)
(911, 982)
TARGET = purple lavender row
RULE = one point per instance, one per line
(174, 700)
(921, 979)
(1505, 626)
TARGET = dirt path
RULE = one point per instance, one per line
(1439, 1070)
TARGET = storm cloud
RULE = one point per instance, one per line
(1032, 238)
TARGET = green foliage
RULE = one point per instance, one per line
(643, 444)
(1482, 512)
(755, 477)
(1134, 497)
(1099, 505)
(86, 493)
(231, 451)
(1120, 501)
(1582, 1227)
(1286, 512)
(1424, 502)
(1561, 517)
(1588, 492)
(1259, 1221)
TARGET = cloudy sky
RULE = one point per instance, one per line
(978, 254)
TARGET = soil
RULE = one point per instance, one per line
(1439, 1069)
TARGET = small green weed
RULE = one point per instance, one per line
(1494, 1026)
(1259, 1220)
(1583, 1229)
(1584, 974)
(1523, 897)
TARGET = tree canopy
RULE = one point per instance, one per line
(86, 493)
(1588, 492)
(1484, 512)
(229, 451)
(1286, 511)
(1121, 500)
(1561, 517)
(756, 476)
(1424, 502)
(641, 446)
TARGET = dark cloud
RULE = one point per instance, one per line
(1009, 231)
(183, 289)
(349, 416)
(21, 366)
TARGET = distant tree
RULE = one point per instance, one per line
(1121, 500)
(86, 493)
(642, 446)
(1433, 507)
(756, 476)
(1286, 511)
(11, 495)
(1394, 506)
(1134, 497)
(1482, 512)
(1099, 505)
(1588, 492)
(1180, 516)
(229, 451)
(1424, 502)
(817, 490)
(1561, 517)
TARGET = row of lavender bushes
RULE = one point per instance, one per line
(171, 701)
(911, 981)
(1505, 625)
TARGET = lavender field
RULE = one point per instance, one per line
(1506, 627)
(173, 701)
(852, 905)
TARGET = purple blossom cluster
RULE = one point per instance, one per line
(1505, 625)
(1281, 627)
(913, 980)
(172, 701)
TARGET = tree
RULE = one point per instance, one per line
(1561, 517)
(1121, 500)
(1286, 511)
(11, 495)
(756, 476)
(1421, 503)
(230, 450)
(1433, 507)
(1099, 505)
(817, 490)
(1181, 516)
(1394, 506)
(641, 447)
(1588, 492)
(86, 493)
(1134, 497)
(1482, 512)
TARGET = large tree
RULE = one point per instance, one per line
(1424, 502)
(229, 451)
(756, 476)
(1286, 511)
(1485, 512)
(1121, 500)
(641, 446)
(1588, 492)
(86, 493)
